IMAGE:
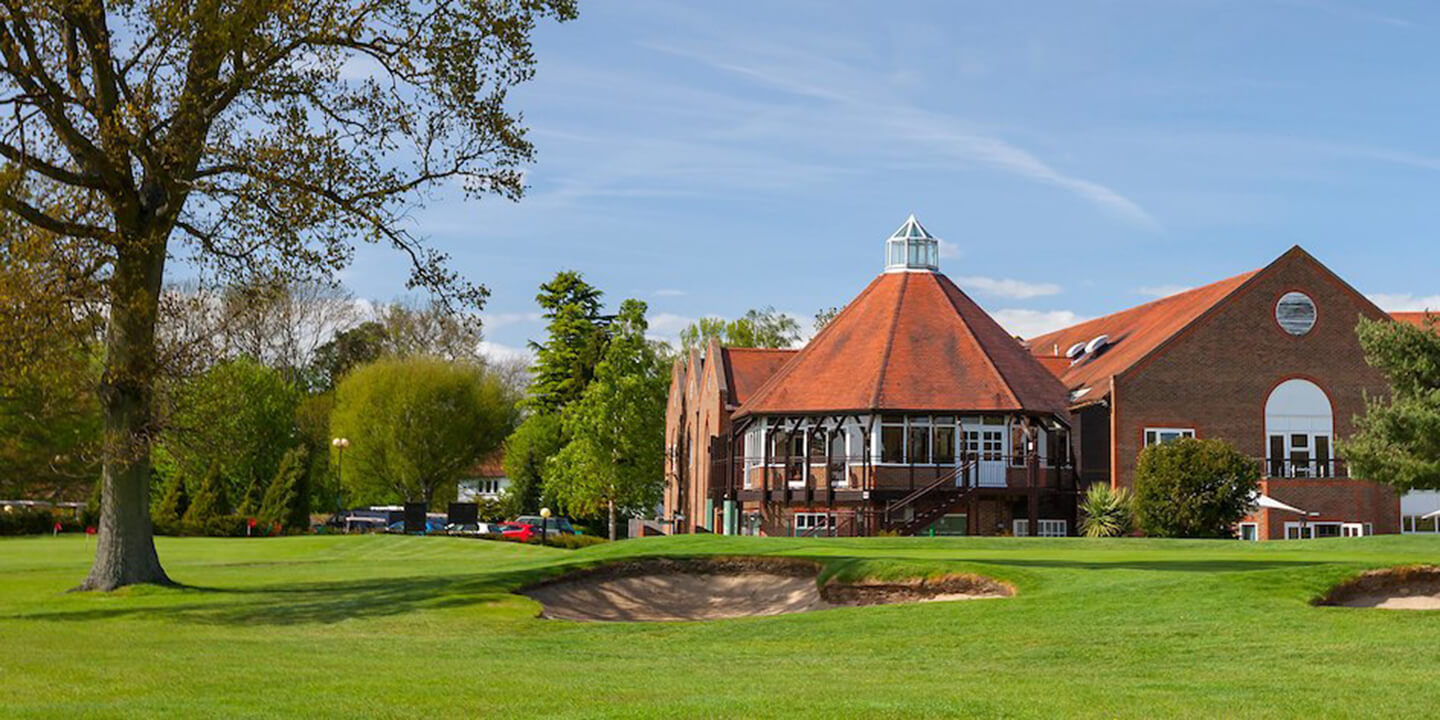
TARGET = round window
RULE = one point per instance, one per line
(1296, 313)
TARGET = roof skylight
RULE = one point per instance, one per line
(912, 247)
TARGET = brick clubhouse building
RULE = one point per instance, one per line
(914, 412)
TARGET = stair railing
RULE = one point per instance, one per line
(942, 481)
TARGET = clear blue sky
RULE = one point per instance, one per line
(1077, 157)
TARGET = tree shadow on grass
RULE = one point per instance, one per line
(318, 602)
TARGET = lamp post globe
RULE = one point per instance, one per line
(339, 443)
(544, 524)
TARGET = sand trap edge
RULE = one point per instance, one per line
(833, 594)
(1408, 587)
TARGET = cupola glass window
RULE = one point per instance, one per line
(912, 247)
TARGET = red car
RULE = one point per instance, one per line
(518, 531)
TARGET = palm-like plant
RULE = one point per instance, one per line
(1105, 512)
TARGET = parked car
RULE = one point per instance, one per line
(553, 526)
(475, 528)
(432, 525)
(523, 532)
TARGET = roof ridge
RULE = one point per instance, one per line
(1242, 277)
(889, 342)
(984, 349)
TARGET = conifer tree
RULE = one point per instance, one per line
(209, 501)
(285, 491)
(612, 461)
(249, 506)
(175, 503)
(1398, 438)
(565, 362)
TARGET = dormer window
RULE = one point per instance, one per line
(912, 247)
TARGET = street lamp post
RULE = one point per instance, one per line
(339, 444)
(544, 523)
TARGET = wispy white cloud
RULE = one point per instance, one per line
(503, 353)
(1029, 323)
(495, 321)
(1007, 288)
(852, 109)
(1405, 302)
(949, 250)
(1349, 12)
(667, 326)
(668, 292)
(1159, 291)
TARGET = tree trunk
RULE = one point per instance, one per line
(125, 549)
(612, 519)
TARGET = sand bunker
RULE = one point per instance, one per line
(662, 589)
(1404, 588)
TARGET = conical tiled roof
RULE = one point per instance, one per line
(910, 342)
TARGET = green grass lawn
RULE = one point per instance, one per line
(426, 627)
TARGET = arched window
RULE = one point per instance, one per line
(1299, 431)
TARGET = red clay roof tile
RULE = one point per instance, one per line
(746, 369)
(910, 341)
(1132, 333)
(1418, 319)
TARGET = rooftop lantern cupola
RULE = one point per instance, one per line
(912, 248)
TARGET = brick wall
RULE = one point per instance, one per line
(1216, 376)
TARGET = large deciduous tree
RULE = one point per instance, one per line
(613, 458)
(238, 416)
(576, 333)
(248, 137)
(1398, 438)
(416, 424)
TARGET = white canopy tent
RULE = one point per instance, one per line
(1261, 500)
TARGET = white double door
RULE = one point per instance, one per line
(986, 444)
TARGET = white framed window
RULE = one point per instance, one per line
(892, 439)
(1162, 436)
(1048, 528)
(1299, 531)
(1250, 531)
(813, 523)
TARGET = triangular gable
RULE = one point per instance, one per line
(1140, 333)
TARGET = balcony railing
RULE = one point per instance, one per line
(1302, 468)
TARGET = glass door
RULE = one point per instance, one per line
(986, 444)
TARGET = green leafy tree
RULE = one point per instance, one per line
(232, 136)
(1193, 488)
(527, 452)
(50, 330)
(576, 333)
(612, 461)
(416, 424)
(362, 344)
(763, 328)
(1397, 441)
(238, 415)
(284, 501)
(1106, 512)
(210, 501)
(824, 316)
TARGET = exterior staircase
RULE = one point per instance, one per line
(943, 495)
